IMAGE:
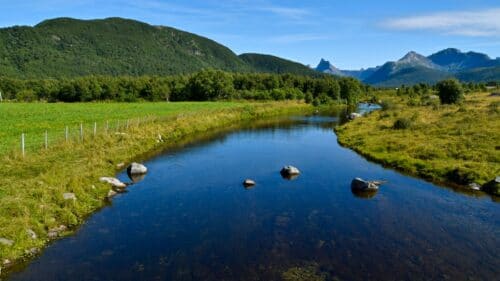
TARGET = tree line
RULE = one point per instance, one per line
(205, 85)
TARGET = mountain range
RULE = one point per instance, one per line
(415, 68)
(66, 47)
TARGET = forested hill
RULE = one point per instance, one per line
(66, 47)
(272, 64)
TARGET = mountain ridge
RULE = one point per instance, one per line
(69, 47)
(415, 68)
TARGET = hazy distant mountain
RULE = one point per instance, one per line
(415, 68)
(326, 67)
(453, 60)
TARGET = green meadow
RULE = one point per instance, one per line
(33, 119)
(456, 144)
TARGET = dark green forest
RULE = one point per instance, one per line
(205, 85)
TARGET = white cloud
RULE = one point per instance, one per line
(481, 23)
(293, 13)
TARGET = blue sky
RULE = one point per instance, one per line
(351, 34)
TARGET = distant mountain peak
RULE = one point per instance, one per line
(326, 67)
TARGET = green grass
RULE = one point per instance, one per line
(455, 144)
(31, 187)
(33, 119)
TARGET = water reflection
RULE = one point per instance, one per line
(363, 194)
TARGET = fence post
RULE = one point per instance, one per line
(22, 143)
(95, 128)
(127, 124)
(81, 131)
(107, 126)
(46, 140)
(66, 133)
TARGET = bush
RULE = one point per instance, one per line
(386, 105)
(402, 123)
(308, 98)
(450, 91)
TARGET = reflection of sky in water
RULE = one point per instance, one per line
(191, 218)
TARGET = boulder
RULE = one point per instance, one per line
(354, 115)
(289, 172)
(359, 184)
(69, 196)
(6, 242)
(493, 186)
(54, 232)
(248, 183)
(31, 234)
(136, 169)
(111, 193)
(474, 186)
(113, 182)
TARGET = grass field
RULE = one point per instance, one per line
(33, 119)
(32, 187)
(457, 144)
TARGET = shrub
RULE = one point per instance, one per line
(450, 91)
(386, 105)
(402, 123)
(309, 97)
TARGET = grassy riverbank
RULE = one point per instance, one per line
(32, 187)
(456, 144)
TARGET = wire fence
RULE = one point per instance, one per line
(36, 141)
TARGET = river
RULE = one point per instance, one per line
(191, 218)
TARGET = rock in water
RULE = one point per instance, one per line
(289, 172)
(359, 184)
(248, 183)
(113, 181)
(493, 186)
(136, 169)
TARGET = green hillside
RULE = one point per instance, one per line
(67, 47)
(272, 64)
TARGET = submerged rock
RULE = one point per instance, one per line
(113, 181)
(248, 183)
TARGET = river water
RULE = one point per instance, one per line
(191, 218)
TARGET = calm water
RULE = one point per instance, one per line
(191, 219)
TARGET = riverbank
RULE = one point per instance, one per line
(454, 144)
(32, 187)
